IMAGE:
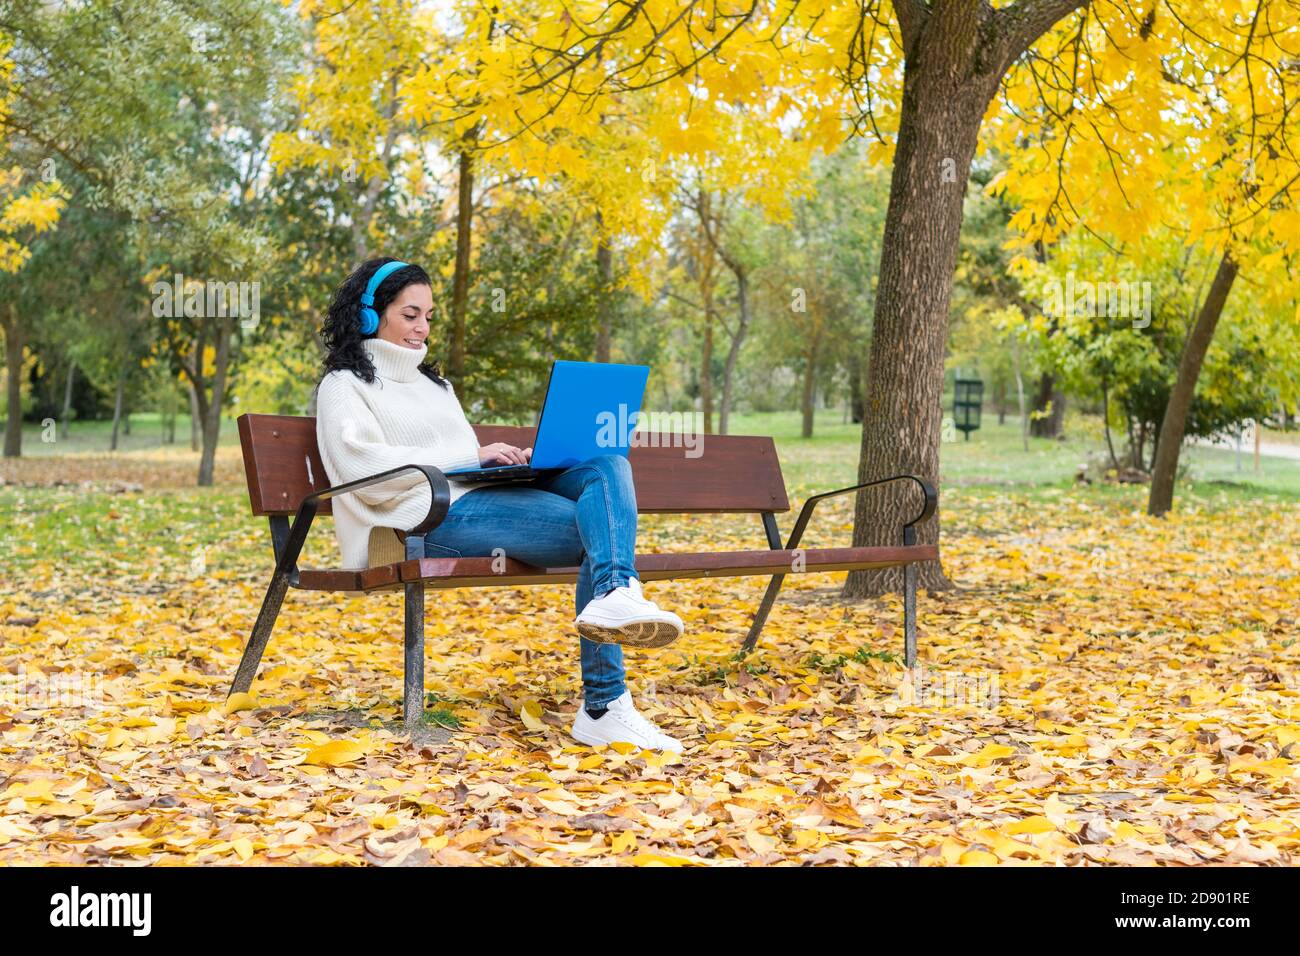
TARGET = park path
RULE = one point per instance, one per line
(1267, 448)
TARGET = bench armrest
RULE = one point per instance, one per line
(928, 506)
(439, 503)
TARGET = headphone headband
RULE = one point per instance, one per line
(369, 317)
(382, 273)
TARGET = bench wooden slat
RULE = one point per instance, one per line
(331, 580)
(732, 473)
(478, 571)
(735, 473)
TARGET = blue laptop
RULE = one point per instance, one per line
(590, 409)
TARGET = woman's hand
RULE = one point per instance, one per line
(500, 453)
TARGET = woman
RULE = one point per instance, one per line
(380, 405)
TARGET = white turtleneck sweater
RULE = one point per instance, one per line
(403, 418)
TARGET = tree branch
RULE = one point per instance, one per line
(911, 16)
(1026, 20)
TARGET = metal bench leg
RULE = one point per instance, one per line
(909, 616)
(261, 632)
(760, 618)
(413, 644)
(413, 666)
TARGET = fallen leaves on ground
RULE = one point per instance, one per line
(1101, 688)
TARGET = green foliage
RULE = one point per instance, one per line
(1131, 360)
(534, 299)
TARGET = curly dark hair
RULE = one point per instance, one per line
(341, 331)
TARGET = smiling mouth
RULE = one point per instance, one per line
(413, 343)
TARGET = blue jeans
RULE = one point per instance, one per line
(585, 515)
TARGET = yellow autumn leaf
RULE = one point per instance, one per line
(335, 753)
(241, 701)
(1030, 825)
(622, 842)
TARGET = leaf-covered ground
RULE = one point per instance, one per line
(1101, 688)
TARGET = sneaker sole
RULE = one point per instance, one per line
(593, 742)
(640, 634)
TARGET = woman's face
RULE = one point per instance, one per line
(406, 320)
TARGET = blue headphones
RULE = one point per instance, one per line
(369, 317)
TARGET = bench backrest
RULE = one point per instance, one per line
(732, 473)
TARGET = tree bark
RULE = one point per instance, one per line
(1105, 422)
(460, 278)
(117, 407)
(1172, 429)
(195, 419)
(605, 272)
(706, 370)
(212, 418)
(66, 414)
(14, 379)
(169, 417)
(855, 388)
(947, 86)
(1049, 425)
(808, 405)
(737, 340)
(196, 407)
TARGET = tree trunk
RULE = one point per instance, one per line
(855, 388)
(1170, 442)
(1049, 425)
(1105, 422)
(808, 405)
(1020, 402)
(733, 353)
(66, 414)
(14, 392)
(460, 278)
(168, 416)
(196, 408)
(947, 87)
(117, 407)
(605, 320)
(212, 418)
(195, 418)
(706, 371)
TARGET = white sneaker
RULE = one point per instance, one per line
(622, 722)
(625, 616)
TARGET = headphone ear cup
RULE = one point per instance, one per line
(369, 321)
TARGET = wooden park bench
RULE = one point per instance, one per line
(735, 474)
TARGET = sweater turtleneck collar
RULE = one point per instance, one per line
(395, 362)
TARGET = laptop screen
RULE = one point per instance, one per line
(591, 409)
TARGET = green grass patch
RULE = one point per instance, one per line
(829, 665)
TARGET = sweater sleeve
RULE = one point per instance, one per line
(353, 445)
